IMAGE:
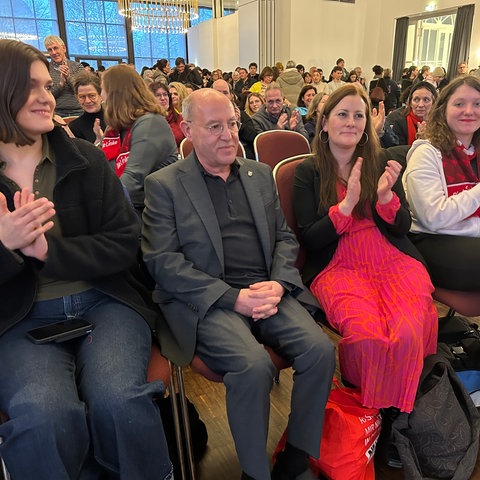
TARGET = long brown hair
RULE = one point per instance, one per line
(128, 97)
(327, 165)
(16, 58)
(438, 131)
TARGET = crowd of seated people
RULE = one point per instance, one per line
(349, 193)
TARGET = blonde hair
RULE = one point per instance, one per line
(128, 97)
(247, 103)
(182, 93)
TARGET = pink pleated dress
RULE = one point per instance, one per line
(379, 299)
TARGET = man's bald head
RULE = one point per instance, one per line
(200, 97)
(223, 87)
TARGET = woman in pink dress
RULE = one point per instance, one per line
(351, 210)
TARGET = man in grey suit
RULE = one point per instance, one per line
(217, 244)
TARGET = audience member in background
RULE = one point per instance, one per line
(439, 76)
(75, 408)
(265, 79)
(378, 73)
(300, 68)
(63, 71)
(314, 110)
(352, 77)
(335, 82)
(252, 75)
(227, 282)
(307, 78)
(162, 71)
(351, 210)
(183, 74)
(247, 132)
(360, 77)
(138, 139)
(91, 124)
(422, 74)
(163, 98)
(279, 65)
(410, 122)
(254, 103)
(392, 97)
(274, 115)
(462, 69)
(305, 98)
(409, 77)
(341, 63)
(443, 188)
(291, 82)
(148, 76)
(178, 93)
(240, 86)
(318, 83)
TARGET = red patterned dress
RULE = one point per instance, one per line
(379, 299)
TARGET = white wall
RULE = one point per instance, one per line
(315, 32)
(214, 43)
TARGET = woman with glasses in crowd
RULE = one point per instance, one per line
(163, 97)
(91, 124)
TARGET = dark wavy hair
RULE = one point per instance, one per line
(327, 166)
(438, 131)
(16, 58)
(303, 91)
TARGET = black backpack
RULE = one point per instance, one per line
(440, 437)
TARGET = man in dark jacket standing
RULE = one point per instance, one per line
(183, 74)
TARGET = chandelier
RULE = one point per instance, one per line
(165, 16)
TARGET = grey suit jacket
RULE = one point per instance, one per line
(182, 246)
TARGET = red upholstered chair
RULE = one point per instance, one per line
(158, 369)
(284, 174)
(186, 147)
(273, 146)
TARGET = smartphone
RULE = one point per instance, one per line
(60, 332)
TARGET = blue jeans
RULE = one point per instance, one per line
(67, 400)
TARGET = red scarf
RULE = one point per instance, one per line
(115, 149)
(412, 122)
(459, 173)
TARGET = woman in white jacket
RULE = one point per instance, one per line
(443, 187)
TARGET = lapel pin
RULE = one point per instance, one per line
(249, 173)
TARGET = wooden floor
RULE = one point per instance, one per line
(220, 461)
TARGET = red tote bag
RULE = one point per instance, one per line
(350, 435)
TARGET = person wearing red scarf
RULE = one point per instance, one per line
(442, 184)
(138, 140)
(409, 123)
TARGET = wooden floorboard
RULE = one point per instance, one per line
(220, 461)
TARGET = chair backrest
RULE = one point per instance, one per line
(275, 145)
(186, 148)
(464, 303)
(284, 173)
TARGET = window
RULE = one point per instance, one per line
(27, 20)
(95, 29)
(429, 40)
(151, 46)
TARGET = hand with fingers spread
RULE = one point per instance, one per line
(24, 228)
(378, 117)
(260, 300)
(294, 118)
(387, 181)
(354, 189)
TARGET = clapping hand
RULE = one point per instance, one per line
(354, 189)
(24, 228)
(378, 117)
(387, 181)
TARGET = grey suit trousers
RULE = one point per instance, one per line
(229, 344)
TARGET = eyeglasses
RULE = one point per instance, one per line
(161, 95)
(216, 129)
(91, 96)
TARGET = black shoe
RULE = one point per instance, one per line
(292, 464)
(246, 477)
(386, 445)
